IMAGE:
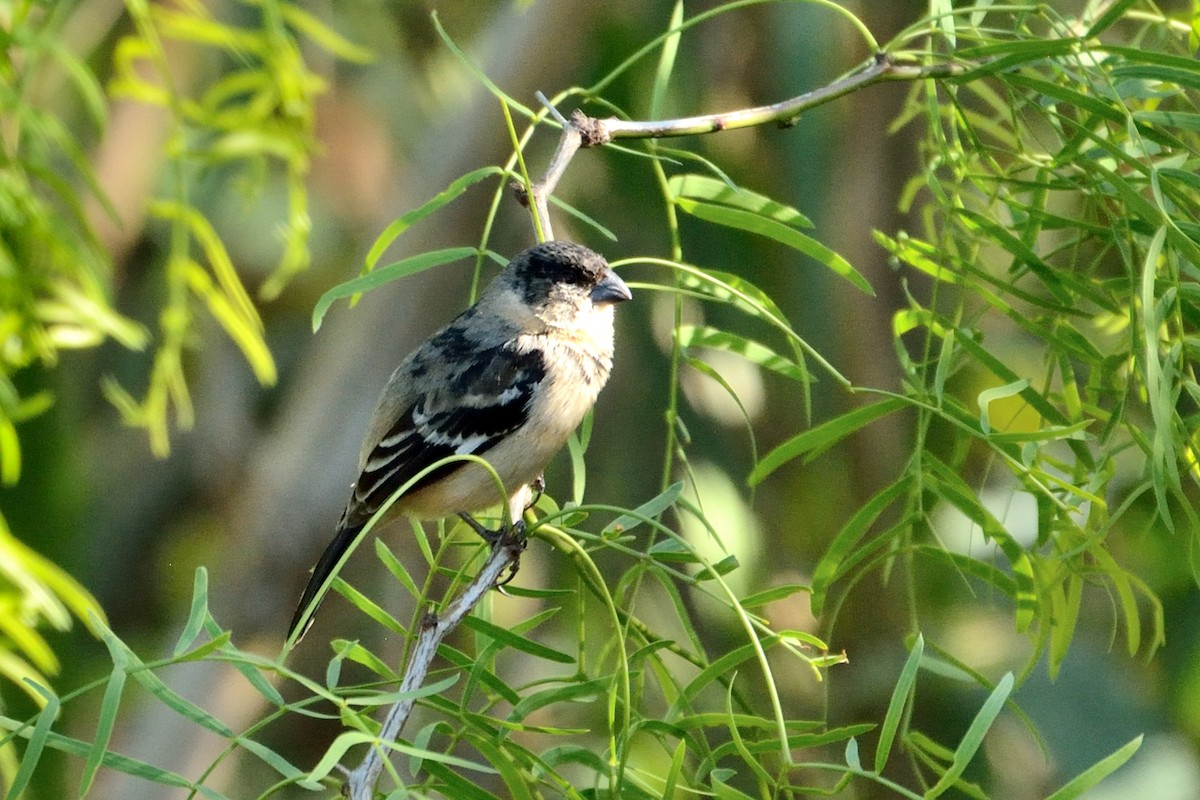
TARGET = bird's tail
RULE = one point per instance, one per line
(313, 593)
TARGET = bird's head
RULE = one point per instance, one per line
(559, 285)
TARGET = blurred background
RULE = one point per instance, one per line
(252, 492)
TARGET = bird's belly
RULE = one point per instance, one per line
(473, 487)
(517, 460)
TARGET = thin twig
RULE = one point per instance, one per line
(434, 629)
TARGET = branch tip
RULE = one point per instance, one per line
(550, 109)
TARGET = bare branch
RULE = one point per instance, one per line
(434, 629)
(584, 131)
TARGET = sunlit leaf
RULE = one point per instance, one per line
(378, 277)
(815, 441)
(784, 234)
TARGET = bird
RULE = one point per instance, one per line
(508, 380)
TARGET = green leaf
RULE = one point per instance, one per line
(817, 440)
(455, 785)
(586, 219)
(367, 606)
(197, 614)
(379, 699)
(784, 234)
(573, 692)
(651, 509)
(1188, 77)
(1124, 589)
(900, 696)
(405, 221)
(949, 486)
(852, 759)
(502, 761)
(37, 740)
(723, 791)
(1091, 776)
(467, 663)
(1158, 388)
(394, 566)
(245, 331)
(507, 637)
(356, 653)
(109, 706)
(1065, 600)
(324, 36)
(666, 61)
(575, 754)
(1171, 119)
(973, 738)
(345, 741)
(675, 773)
(702, 187)
(400, 269)
(1113, 13)
(986, 397)
(775, 593)
(143, 675)
(270, 758)
(717, 669)
(754, 352)
(723, 567)
(845, 543)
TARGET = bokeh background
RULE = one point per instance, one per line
(253, 490)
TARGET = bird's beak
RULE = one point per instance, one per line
(610, 289)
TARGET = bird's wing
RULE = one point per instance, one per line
(468, 412)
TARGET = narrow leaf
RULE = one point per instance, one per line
(456, 188)
(986, 397)
(1097, 772)
(752, 351)
(973, 738)
(37, 740)
(852, 758)
(702, 187)
(650, 509)
(900, 696)
(197, 614)
(378, 277)
(109, 706)
(516, 642)
(784, 234)
(819, 439)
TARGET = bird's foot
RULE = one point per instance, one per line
(512, 536)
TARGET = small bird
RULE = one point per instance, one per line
(508, 380)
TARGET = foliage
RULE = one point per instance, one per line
(1056, 210)
(249, 118)
(56, 277)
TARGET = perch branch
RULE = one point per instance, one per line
(434, 629)
(583, 131)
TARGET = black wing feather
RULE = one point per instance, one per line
(492, 401)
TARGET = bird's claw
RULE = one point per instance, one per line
(511, 536)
